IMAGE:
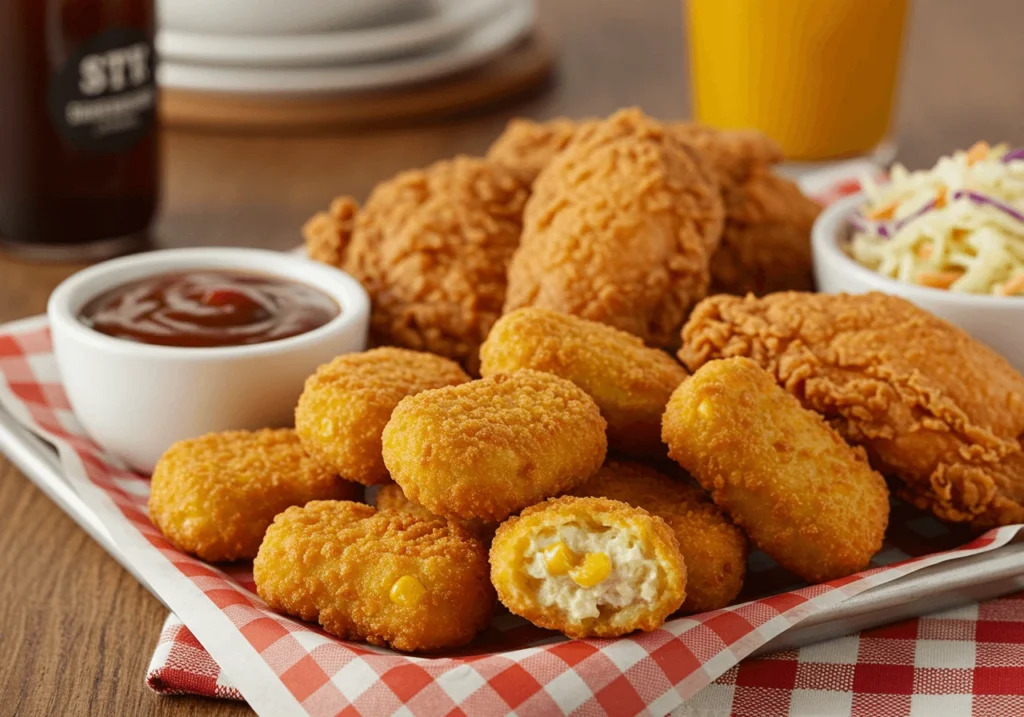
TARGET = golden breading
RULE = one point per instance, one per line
(620, 229)
(800, 492)
(327, 233)
(391, 497)
(526, 146)
(588, 567)
(714, 550)
(388, 578)
(214, 496)
(347, 402)
(431, 247)
(932, 406)
(489, 448)
(766, 242)
(629, 381)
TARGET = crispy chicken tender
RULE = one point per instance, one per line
(526, 146)
(389, 578)
(630, 382)
(714, 550)
(214, 496)
(588, 567)
(489, 448)
(431, 247)
(802, 494)
(932, 406)
(766, 242)
(391, 497)
(620, 229)
(346, 404)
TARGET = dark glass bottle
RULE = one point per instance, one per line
(79, 162)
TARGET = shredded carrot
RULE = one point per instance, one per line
(924, 252)
(977, 152)
(940, 198)
(885, 212)
(938, 279)
(1013, 286)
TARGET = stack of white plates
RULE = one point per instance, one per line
(281, 46)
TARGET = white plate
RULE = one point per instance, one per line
(453, 17)
(504, 29)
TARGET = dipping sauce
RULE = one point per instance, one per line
(207, 309)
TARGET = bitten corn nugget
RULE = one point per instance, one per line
(588, 567)
(714, 550)
(214, 496)
(347, 402)
(803, 495)
(388, 577)
(489, 448)
(630, 382)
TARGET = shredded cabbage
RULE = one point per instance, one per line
(957, 226)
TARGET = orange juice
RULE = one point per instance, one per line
(819, 76)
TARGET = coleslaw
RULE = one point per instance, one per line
(957, 226)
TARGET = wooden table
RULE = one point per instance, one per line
(76, 631)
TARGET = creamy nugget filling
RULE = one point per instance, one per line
(580, 571)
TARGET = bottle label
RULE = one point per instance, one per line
(104, 97)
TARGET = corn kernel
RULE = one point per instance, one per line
(594, 569)
(705, 410)
(407, 591)
(558, 558)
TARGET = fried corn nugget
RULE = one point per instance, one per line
(491, 447)
(526, 146)
(347, 402)
(714, 550)
(620, 229)
(214, 496)
(588, 567)
(630, 382)
(389, 578)
(802, 494)
(391, 497)
(431, 247)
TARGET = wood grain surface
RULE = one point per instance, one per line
(76, 631)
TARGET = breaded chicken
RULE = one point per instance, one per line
(491, 447)
(391, 497)
(778, 470)
(714, 550)
(932, 406)
(588, 567)
(346, 404)
(630, 382)
(388, 578)
(214, 496)
(526, 146)
(766, 242)
(620, 229)
(431, 247)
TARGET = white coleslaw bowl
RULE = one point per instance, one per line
(994, 320)
(136, 399)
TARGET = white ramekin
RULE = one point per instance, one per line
(994, 320)
(137, 399)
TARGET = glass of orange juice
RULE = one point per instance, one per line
(818, 76)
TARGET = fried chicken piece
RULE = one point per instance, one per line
(766, 242)
(630, 382)
(620, 229)
(780, 471)
(714, 550)
(345, 405)
(215, 495)
(388, 578)
(588, 567)
(526, 146)
(391, 497)
(491, 447)
(431, 247)
(931, 405)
